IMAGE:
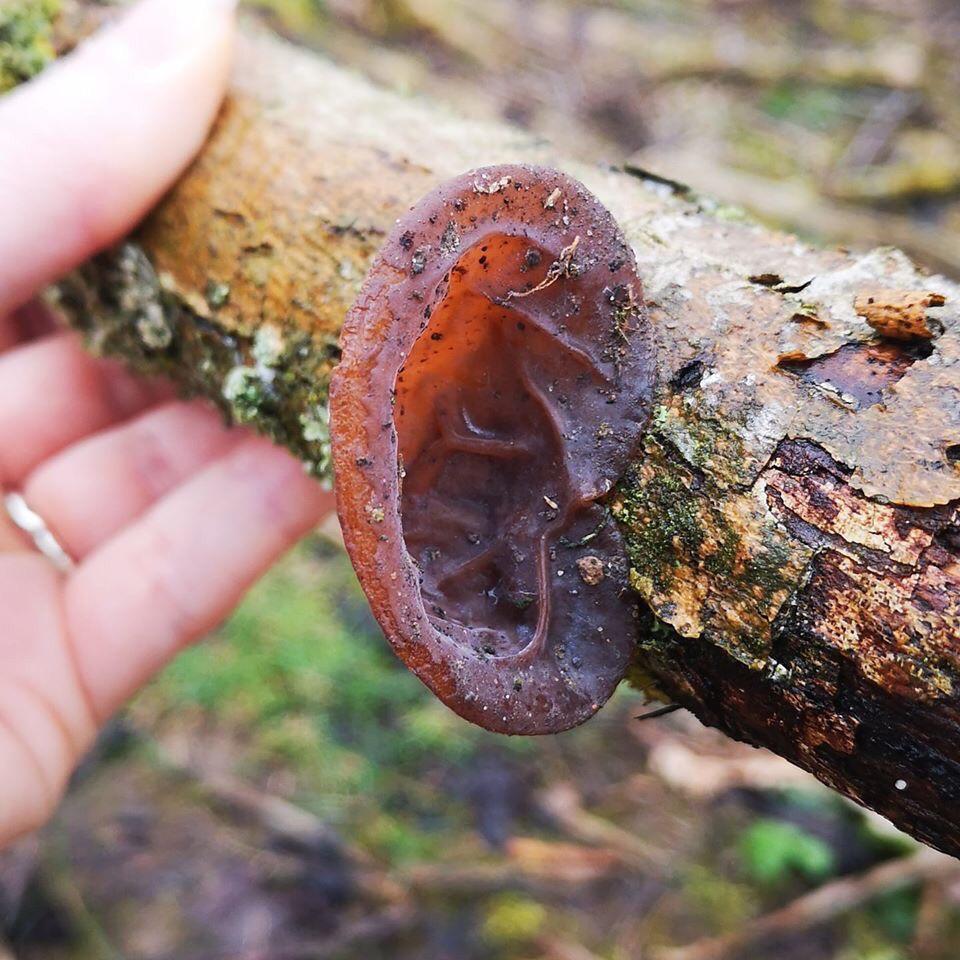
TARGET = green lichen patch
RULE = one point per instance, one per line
(26, 46)
(275, 380)
(315, 425)
(249, 396)
(217, 294)
(665, 525)
(706, 443)
(706, 560)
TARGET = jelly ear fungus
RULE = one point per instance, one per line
(496, 378)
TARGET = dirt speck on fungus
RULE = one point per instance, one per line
(591, 570)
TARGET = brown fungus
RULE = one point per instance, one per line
(496, 378)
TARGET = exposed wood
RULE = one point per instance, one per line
(793, 517)
(899, 315)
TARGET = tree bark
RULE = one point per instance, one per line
(792, 520)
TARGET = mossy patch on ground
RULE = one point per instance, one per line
(26, 47)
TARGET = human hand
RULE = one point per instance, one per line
(168, 515)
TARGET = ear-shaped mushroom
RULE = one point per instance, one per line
(496, 378)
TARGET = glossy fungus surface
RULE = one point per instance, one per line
(495, 381)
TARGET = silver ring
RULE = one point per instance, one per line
(35, 527)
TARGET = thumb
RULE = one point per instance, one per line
(93, 143)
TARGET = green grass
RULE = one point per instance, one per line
(773, 852)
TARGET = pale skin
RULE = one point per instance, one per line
(169, 515)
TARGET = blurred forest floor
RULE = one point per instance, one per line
(287, 790)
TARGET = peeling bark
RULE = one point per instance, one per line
(793, 519)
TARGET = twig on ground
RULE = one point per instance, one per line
(58, 879)
(472, 878)
(553, 949)
(287, 822)
(276, 814)
(821, 906)
(463, 879)
(877, 129)
(376, 928)
(562, 804)
(933, 915)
